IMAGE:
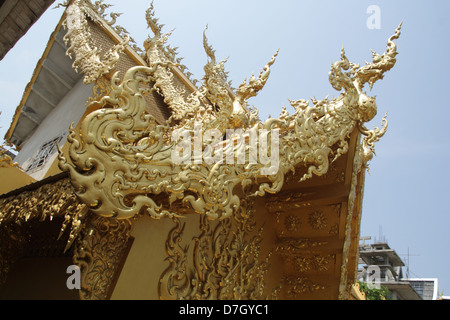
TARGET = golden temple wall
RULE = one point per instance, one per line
(295, 247)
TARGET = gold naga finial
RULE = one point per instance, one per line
(212, 68)
(152, 21)
(251, 89)
(210, 52)
(87, 58)
(372, 72)
(117, 170)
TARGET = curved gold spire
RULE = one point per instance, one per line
(87, 58)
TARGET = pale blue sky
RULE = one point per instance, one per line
(409, 184)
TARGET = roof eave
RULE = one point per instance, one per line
(30, 84)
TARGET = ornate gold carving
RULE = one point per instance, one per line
(303, 264)
(221, 263)
(287, 200)
(98, 253)
(20, 213)
(121, 156)
(301, 254)
(290, 246)
(296, 285)
(357, 293)
(334, 173)
(292, 223)
(159, 42)
(334, 230)
(322, 263)
(46, 202)
(85, 54)
(317, 220)
(101, 242)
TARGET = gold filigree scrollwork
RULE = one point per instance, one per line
(121, 156)
(98, 252)
(221, 263)
(86, 56)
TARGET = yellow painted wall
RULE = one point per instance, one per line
(145, 262)
(12, 178)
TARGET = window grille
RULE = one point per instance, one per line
(45, 152)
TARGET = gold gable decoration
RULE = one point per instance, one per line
(86, 56)
(121, 157)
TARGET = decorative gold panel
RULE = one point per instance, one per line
(222, 262)
(98, 252)
(322, 221)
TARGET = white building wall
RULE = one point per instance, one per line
(69, 110)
